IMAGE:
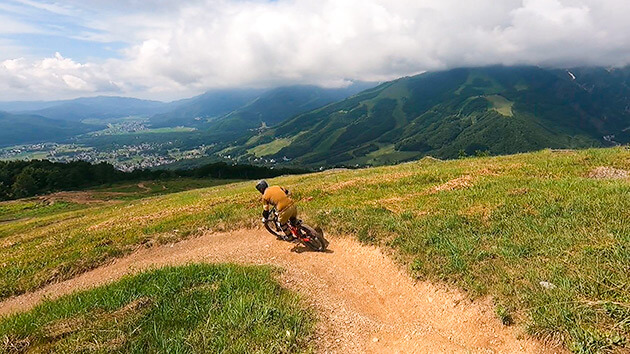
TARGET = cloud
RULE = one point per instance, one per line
(178, 48)
(52, 77)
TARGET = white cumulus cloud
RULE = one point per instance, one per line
(52, 77)
(180, 48)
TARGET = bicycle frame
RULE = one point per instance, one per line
(295, 229)
(296, 232)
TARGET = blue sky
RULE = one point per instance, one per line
(42, 45)
(163, 49)
(49, 28)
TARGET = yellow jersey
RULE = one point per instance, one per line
(278, 197)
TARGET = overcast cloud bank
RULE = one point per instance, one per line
(174, 50)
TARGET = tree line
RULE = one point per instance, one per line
(20, 179)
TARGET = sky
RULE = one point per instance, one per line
(166, 50)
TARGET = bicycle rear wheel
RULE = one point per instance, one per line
(316, 240)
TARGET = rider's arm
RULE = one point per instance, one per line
(266, 204)
(266, 207)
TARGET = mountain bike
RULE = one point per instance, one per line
(305, 234)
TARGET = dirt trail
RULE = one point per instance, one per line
(142, 186)
(365, 303)
(78, 197)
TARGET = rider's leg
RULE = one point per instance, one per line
(286, 215)
(288, 236)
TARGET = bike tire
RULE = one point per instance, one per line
(316, 242)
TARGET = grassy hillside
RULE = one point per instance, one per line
(546, 234)
(497, 110)
(197, 308)
(22, 179)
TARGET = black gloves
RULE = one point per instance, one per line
(265, 214)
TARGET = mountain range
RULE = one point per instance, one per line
(493, 110)
(446, 114)
(79, 109)
(218, 115)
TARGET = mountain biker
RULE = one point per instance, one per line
(279, 198)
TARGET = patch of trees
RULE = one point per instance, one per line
(376, 123)
(20, 179)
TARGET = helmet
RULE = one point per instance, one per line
(261, 186)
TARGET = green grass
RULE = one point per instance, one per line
(28, 208)
(15, 210)
(133, 190)
(165, 130)
(270, 148)
(35, 155)
(196, 308)
(385, 155)
(493, 87)
(510, 223)
(501, 105)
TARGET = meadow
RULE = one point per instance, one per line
(545, 234)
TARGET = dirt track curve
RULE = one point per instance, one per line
(366, 304)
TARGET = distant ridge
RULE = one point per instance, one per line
(100, 107)
(28, 128)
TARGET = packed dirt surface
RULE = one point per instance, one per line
(608, 173)
(78, 197)
(145, 188)
(365, 303)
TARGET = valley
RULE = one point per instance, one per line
(125, 157)
(461, 112)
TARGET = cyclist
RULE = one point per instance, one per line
(280, 198)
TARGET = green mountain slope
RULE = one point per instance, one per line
(23, 128)
(275, 106)
(237, 111)
(199, 110)
(498, 110)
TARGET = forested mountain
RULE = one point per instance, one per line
(90, 108)
(493, 110)
(496, 110)
(240, 110)
(199, 110)
(276, 105)
(28, 128)
(26, 106)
